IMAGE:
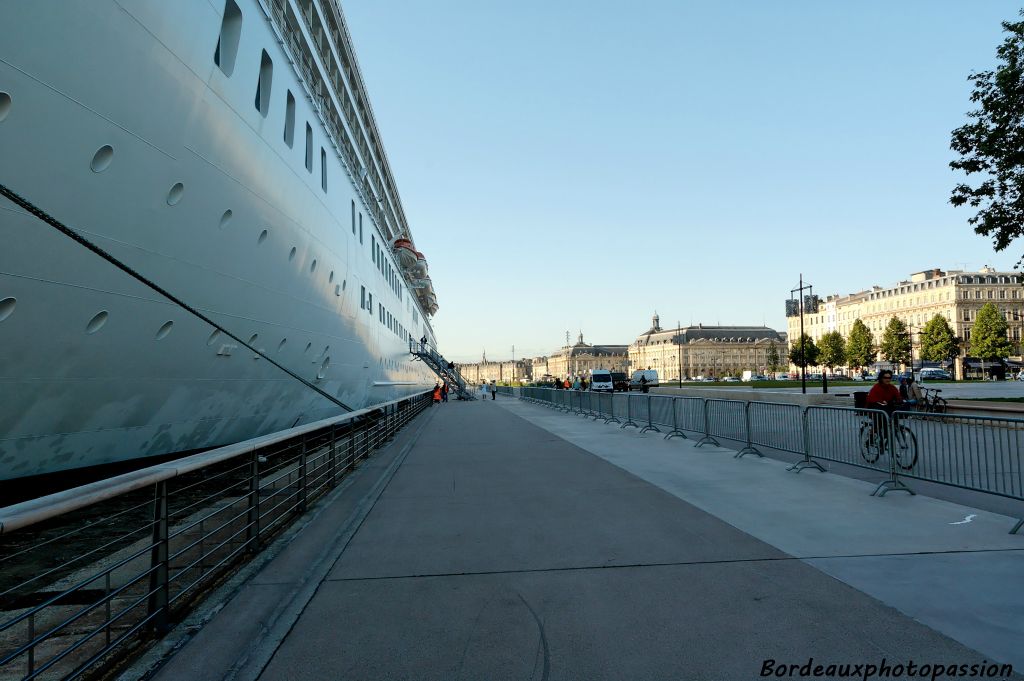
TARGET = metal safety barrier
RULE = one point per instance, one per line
(979, 453)
(91, 571)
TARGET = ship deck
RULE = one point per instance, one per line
(497, 540)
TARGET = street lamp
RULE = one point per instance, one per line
(790, 309)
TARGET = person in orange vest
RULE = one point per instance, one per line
(437, 393)
(566, 384)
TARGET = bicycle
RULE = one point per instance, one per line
(933, 403)
(873, 440)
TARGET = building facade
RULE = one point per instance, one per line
(582, 358)
(700, 351)
(955, 295)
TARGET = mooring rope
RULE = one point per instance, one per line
(77, 237)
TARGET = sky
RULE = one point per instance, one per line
(578, 165)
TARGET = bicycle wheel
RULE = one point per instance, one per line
(939, 405)
(906, 448)
(869, 449)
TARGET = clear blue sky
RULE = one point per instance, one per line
(580, 164)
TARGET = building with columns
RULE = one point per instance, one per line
(718, 351)
(581, 358)
(955, 295)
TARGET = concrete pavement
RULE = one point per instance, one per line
(503, 540)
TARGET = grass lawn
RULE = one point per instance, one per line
(990, 399)
(765, 384)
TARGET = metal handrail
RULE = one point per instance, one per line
(26, 513)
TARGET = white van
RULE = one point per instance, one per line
(650, 376)
(601, 381)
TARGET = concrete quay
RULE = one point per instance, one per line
(503, 540)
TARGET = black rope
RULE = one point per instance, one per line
(68, 232)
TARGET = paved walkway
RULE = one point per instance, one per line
(501, 540)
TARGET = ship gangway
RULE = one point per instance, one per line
(445, 370)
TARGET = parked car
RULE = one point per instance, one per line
(935, 375)
(620, 381)
(650, 375)
(730, 379)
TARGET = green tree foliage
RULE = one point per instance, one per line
(937, 340)
(895, 346)
(988, 336)
(773, 358)
(860, 346)
(833, 350)
(991, 146)
(810, 354)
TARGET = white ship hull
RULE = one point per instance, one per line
(139, 76)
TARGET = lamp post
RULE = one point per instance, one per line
(803, 360)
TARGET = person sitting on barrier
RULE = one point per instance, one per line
(914, 395)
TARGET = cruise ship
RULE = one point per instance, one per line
(226, 152)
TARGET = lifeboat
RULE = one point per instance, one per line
(425, 292)
(405, 254)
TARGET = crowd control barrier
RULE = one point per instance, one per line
(979, 453)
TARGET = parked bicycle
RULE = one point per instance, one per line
(873, 438)
(933, 403)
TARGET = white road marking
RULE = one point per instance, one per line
(966, 520)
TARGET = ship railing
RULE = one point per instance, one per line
(89, 573)
(978, 453)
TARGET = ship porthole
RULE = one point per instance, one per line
(97, 322)
(312, 267)
(175, 194)
(225, 219)
(280, 346)
(252, 339)
(164, 330)
(213, 337)
(344, 283)
(5, 105)
(308, 346)
(102, 158)
(7, 307)
(291, 253)
(262, 238)
(330, 279)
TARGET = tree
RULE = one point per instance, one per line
(896, 342)
(810, 354)
(937, 340)
(988, 337)
(992, 145)
(772, 358)
(832, 350)
(860, 346)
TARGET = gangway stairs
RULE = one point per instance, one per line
(445, 370)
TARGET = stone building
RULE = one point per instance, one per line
(955, 295)
(692, 351)
(581, 358)
(500, 372)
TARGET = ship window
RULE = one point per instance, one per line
(373, 249)
(309, 148)
(360, 228)
(264, 83)
(353, 217)
(362, 297)
(323, 169)
(289, 120)
(227, 43)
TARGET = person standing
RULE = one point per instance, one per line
(444, 392)
(483, 390)
(494, 390)
(437, 394)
